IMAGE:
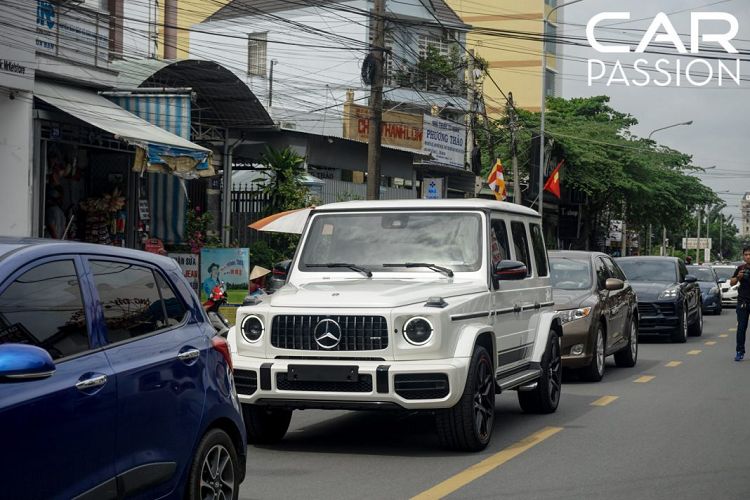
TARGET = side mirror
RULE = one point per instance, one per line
(24, 362)
(281, 269)
(613, 284)
(509, 270)
(689, 278)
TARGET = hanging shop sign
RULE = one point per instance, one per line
(399, 129)
(73, 33)
(445, 140)
(432, 188)
(16, 47)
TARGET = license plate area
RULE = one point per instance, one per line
(316, 373)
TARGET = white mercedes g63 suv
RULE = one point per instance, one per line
(432, 305)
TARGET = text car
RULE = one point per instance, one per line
(599, 311)
(669, 299)
(112, 382)
(410, 304)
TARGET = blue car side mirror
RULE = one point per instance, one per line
(24, 362)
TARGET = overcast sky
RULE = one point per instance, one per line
(719, 134)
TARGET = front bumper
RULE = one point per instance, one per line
(658, 317)
(316, 383)
(711, 303)
(577, 332)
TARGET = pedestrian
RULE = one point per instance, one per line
(54, 217)
(688, 260)
(742, 276)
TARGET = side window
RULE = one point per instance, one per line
(610, 267)
(521, 244)
(619, 273)
(44, 307)
(601, 274)
(499, 241)
(540, 252)
(176, 312)
(130, 299)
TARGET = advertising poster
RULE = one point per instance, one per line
(229, 265)
(445, 140)
(189, 264)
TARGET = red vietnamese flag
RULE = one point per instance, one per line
(553, 183)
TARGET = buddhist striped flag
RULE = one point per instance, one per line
(496, 181)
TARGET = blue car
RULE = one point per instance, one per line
(710, 287)
(113, 383)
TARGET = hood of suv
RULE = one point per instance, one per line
(650, 290)
(370, 293)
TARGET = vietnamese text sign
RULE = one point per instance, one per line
(189, 264)
(692, 243)
(433, 189)
(227, 265)
(445, 140)
(399, 129)
(17, 62)
(76, 34)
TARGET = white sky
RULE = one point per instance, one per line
(719, 134)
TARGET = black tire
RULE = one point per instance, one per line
(595, 370)
(696, 329)
(265, 425)
(215, 468)
(679, 336)
(467, 426)
(546, 396)
(718, 310)
(628, 356)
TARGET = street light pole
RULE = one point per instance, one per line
(544, 102)
(670, 126)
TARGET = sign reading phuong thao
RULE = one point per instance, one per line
(445, 140)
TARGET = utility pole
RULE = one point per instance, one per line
(698, 243)
(514, 148)
(472, 110)
(376, 104)
(270, 85)
(664, 240)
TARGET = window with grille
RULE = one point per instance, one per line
(256, 53)
(550, 83)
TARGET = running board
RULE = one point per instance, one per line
(519, 379)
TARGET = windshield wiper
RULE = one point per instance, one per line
(439, 269)
(353, 267)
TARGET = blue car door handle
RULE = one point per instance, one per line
(189, 354)
(91, 382)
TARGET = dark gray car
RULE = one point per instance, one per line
(599, 308)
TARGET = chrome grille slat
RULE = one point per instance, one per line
(358, 333)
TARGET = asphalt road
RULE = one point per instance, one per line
(674, 426)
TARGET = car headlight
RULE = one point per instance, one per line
(418, 331)
(669, 293)
(574, 314)
(735, 287)
(252, 328)
(713, 290)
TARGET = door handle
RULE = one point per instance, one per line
(189, 354)
(89, 383)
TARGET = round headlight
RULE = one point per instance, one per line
(418, 331)
(252, 328)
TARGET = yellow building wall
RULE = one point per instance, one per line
(189, 12)
(515, 64)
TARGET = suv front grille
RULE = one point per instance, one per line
(363, 384)
(654, 309)
(358, 333)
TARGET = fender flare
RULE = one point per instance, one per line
(548, 321)
(467, 338)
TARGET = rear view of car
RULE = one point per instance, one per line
(111, 378)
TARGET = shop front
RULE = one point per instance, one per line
(103, 172)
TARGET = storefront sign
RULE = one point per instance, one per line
(189, 264)
(432, 189)
(445, 140)
(229, 265)
(73, 33)
(16, 47)
(399, 129)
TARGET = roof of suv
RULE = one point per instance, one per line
(461, 204)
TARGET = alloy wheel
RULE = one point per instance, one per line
(484, 400)
(217, 475)
(633, 339)
(599, 351)
(684, 322)
(555, 373)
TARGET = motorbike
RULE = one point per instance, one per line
(217, 299)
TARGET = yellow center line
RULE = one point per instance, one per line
(697, 351)
(672, 364)
(478, 470)
(711, 342)
(732, 330)
(723, 335)
(644, 378)
(604, 401)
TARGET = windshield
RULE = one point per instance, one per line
(702, 273)
(649, 270)
(449, 239)
(570, 274)
(724, 273)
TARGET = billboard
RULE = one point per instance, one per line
(445, 140)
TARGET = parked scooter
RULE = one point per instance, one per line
(217, 299)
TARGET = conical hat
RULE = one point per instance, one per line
(257, 272)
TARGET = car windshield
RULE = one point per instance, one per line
(724, 273)
(448, 239)
(570, 274)
(649, 270)
(702, 273)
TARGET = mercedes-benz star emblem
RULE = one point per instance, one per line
(327, 334)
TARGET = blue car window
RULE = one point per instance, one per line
(44, 307)
(130, 299)
(176, 312)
